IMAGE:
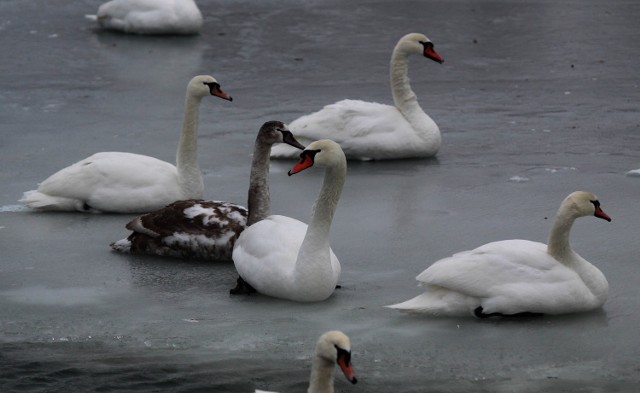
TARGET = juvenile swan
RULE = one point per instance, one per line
(115, 182)
(208, 230)
(284, 258)
(372, 131)
(332, 348)
(512, 277)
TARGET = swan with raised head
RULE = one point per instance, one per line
(373, 131)
(150, 16)
(208, 230)
(517, 277)
(333, 348)
(116, 182)
(283, 257)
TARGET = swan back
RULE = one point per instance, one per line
(150, 16)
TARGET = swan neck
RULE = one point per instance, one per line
(558, 243)
(325, 207)
(187, 156)
(315, 248)
(258, 199)
(321, 380)
(403, 97)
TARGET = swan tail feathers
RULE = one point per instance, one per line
(122, 245)
(438, 304)
(93, 18)
(39, 201)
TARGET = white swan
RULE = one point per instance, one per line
(332, 348)
(372, 131)
(513, 277)
(283, 257)
(208, 229)
(150, 16)
(118, 182)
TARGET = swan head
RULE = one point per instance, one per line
(323, 153)
(419, 44)
(204, 85)
(334, 347)
(582, 203)
(273, 132)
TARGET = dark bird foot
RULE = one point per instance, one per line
(478, 313)
(242, 288)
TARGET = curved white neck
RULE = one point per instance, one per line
(321, 380)
(314, 257)
(189, 176)
(258, 201)
(558, 247)
(403, 97)
(558, 243)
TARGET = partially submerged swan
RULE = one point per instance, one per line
(208, 229)
(513, 277)
(116, 182)
(150, 16)
(333, 348)
(283, 257)
(372, 131)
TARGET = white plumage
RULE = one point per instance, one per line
(517, 276)
(150, 16)
(283, 257)
(117, 182)
(373, 131)
(333, 349)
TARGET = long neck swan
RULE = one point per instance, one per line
(196, 228)
(514, 277)
(150, 16)
(284, 258)
(333, 348)
(372, 131)
(115, 182)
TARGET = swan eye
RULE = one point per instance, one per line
(311, 154)
(596, 203)
(342, 353)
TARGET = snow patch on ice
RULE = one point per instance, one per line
(518, 179)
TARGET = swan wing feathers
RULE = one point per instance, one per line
(500, 268)
(110, 172)
(266, 253)
(363, 129)
(268, 249)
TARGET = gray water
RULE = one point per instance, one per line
(535, 100)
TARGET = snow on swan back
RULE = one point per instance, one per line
(150, 16)
(284, 258)
(513, 277)
(372, 131)
(115, 182)
(333, 348)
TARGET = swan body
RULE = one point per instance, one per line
(333, 348)
(283, 257)
(373, 131)
(514, 277)
(207, 229)
(116, 182)
(150, 16)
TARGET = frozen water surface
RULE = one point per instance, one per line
(535, 100)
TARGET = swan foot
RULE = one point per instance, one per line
(242, 288)
(478, 313)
